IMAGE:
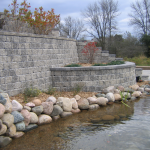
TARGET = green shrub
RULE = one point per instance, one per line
(31, 92)
(50, 90)
(73, 65)
(116, 62)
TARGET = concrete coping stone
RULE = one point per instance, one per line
(92, 68)
(33, 35)
(104, 51)
(112, 55)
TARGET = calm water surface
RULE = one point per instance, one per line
(87, 131)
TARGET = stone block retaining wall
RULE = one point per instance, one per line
(26, 59)
(94, 78)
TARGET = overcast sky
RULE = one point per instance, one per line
(73, 8)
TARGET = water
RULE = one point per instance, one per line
(87, 131)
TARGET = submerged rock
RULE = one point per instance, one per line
(4, 141)
(30, 127)
(65, 114)
(108, 117)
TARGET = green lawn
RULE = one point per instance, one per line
(139, 61)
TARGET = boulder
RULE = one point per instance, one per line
(44, 119)
(34, 118)
(77, 97)
(128, 90)
(3, 129)
(17, 116)
(27, 108)
(126, 94)
(37, 109)
(108, 117)
(92, 100)
(141, 89)
(147, 89)
(133, 98)
(59, 104)
(16, 106)
(134, 87)
(51, 99)
(65, 114)
(83, 103)
(8, 105)
(102, 101)
(136, 94)
(93, 106)
(100, 95)
(11, 131)
(18, 135)
(30, 104)
(2, 100)
(8, 119)
(2, 110)
(55, 117)
(74, 103)
(116, 91)
(57, 110)
(117, 97)
(110, 97)
(20, 126)
(37, 102)
(30, 127)
(74, 111)
(67, 105)
(47, 107)
(27, 117)
(109, 89)
(121, 88)
(0, 124)
(4, 141)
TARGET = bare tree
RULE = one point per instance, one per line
(72, 28)
(140, 16)
(100, 17)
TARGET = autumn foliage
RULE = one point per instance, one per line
(41, 21)
(89, 51)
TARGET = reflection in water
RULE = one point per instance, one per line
(126, 129)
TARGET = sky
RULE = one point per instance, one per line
(73, 8)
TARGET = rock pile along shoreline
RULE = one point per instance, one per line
(16, 119)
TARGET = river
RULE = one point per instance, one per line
(87, 131)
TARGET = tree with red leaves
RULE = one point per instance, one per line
(89, 51)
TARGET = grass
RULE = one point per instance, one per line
(116, 62)
(139, 61)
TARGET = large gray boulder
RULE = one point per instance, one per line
(57, 110)
(17, 116)
(8, 119)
